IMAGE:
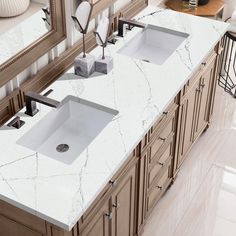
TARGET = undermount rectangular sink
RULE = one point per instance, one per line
(66, 132)
(154, 44)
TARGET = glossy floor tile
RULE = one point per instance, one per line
(202, 200)
(212, 211)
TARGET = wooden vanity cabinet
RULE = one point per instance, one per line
(16, 222)
(125, 203)
(156, 161)
(205, 91)
(187, 115)
(196, 105)
(100, 225)
(10, 227)
(114, 214)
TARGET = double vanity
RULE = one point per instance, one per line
(99, 162)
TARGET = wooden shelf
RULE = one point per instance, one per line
(212, 9)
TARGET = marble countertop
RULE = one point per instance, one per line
(140, 91)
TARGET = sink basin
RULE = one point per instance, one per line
(66, 132)
(154, 44)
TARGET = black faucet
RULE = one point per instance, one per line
(130, 23)
(30, 102)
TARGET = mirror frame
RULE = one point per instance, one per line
(15, 65)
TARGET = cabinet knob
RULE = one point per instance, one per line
(159, 187)
(204, 63)
(161, 163)
(113, 182)
(162, 139)
(109, 215)
(202, 85)
(166, 113)
(198, 90)
(116, 205)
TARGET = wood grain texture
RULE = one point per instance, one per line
(30, 54)
(213, 8)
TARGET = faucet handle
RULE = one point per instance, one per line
(48, 92)
(16, 123)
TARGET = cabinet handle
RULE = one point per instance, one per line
(165, 113)
(113, 182)
(109, 215)
(204, 63)
(162, 139)
(116, 205)
(159, 187)
(161, 163)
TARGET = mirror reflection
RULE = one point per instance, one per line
(22, 22)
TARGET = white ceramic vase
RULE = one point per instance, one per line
(10, 8)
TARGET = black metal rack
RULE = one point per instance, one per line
(227, 64)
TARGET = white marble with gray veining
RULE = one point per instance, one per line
(140, 91)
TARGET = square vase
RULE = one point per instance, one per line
(104, 66)
(84, 66)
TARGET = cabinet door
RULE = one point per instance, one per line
(101, 222)
(204, 99)
(123, 202)
(187, 118)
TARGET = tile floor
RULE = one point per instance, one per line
(202, 201)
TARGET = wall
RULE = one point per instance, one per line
(230, 6)
(72, 38)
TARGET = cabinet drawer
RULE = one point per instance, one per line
(11, 228)
(162, 138)
(163, 119)
(159, 188)
(159, 125)
(160, 164)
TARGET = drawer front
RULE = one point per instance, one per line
(163, 119)
(159, 188)
(158, 126)
(160, 164)
(162, 138)
(11, 228)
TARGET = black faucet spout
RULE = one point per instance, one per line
(31, 98)
(133, 23)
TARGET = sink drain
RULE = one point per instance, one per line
(62, 148)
